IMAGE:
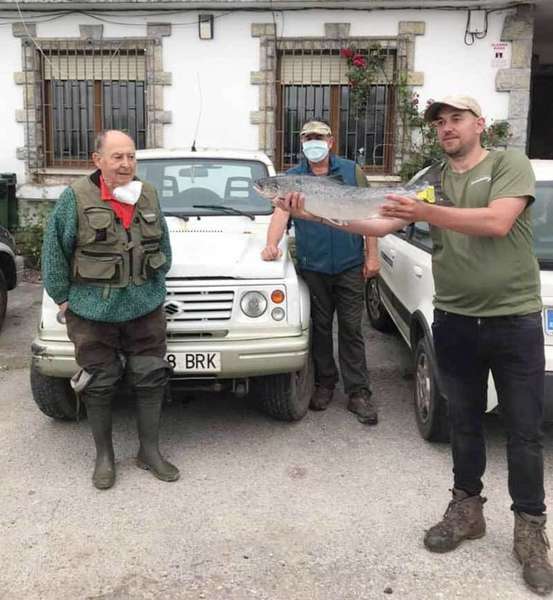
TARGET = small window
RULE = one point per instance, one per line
(86, 92)
(312, 82)
(420, 235)
(81, 87)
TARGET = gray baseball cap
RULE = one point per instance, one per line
(460, 102)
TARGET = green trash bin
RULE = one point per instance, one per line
(9, 214)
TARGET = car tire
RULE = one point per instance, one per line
(54, 396)
(376, 311)
(430, 405)
(285, 396)
(3, 298)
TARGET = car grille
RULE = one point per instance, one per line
(199, 305)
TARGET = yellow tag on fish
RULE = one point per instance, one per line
(427, 195)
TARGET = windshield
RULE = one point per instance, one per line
(542, 216)
(185, 184)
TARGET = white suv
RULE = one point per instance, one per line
(403, 293)
(234, 321)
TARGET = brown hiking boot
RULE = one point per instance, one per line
(321, 397)
(530, 549)
(364, 407)
(463, 520)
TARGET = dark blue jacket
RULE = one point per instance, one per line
(322, 248)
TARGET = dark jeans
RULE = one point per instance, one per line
(342, 293)
(467, 348)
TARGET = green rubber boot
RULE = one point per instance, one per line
(148, 410)
(98, 408)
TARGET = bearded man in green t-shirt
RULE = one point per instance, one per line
(487, 317)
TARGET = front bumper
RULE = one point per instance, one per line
(239, 358)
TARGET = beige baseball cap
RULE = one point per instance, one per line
(317, 127)
(460, 102)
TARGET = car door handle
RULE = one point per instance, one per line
(388, 257)
(417, 270)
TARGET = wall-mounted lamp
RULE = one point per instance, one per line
(205, 27)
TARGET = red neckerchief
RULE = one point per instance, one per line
(124, 211)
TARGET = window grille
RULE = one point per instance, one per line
(313, 82)
(76, 88)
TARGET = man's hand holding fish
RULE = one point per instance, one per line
(405, 208)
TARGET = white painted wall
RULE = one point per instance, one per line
(11, 98)
(214, 75)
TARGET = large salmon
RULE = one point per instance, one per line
(329, 198)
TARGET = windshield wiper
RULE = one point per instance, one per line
(178, 215)
(228, 209)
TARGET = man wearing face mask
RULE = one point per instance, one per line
(334, 265)
(105, 255)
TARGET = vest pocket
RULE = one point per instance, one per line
(98, 268)
(150, 226)
(100, 220)
(152, 263)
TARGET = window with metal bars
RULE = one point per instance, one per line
(77, 88)
(86, 92)
(312, 82)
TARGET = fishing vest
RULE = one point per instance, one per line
(108, 255)
(323, 248)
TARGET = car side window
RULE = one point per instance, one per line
(420, 235)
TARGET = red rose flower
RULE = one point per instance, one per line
(359, 61)
(346, 52)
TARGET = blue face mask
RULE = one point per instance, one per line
(315, 150)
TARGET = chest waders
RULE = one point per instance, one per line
(109, 256)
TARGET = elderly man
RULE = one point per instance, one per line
(487, 317)
(334, 265)
(105, 255)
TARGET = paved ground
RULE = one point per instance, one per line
(324, 509)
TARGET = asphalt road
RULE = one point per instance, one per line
(323, 509)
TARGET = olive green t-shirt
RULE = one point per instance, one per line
(487, 276)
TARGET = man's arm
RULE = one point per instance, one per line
(165, 245)
(277, 227)
(371, 267)
(494, 220)
(57, 248)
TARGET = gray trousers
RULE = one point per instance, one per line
(341, 293)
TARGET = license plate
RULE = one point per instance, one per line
(549, 321)
(195, 362)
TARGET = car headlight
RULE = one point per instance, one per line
(253, 304)
(277, 313)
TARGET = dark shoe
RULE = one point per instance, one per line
(148, 411)
(98, 408)
(362, 404)
(463, 520)
(530, 549)
(321, 397)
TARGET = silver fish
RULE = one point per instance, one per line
(327, 197)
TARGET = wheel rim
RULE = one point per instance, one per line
(373, 299)
(423, 388)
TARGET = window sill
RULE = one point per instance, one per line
(383, 178)
(65, 171)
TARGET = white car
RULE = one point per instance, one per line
(403, 293)
(234, 321)
(8, 270)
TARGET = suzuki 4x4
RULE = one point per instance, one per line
(234, 321)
